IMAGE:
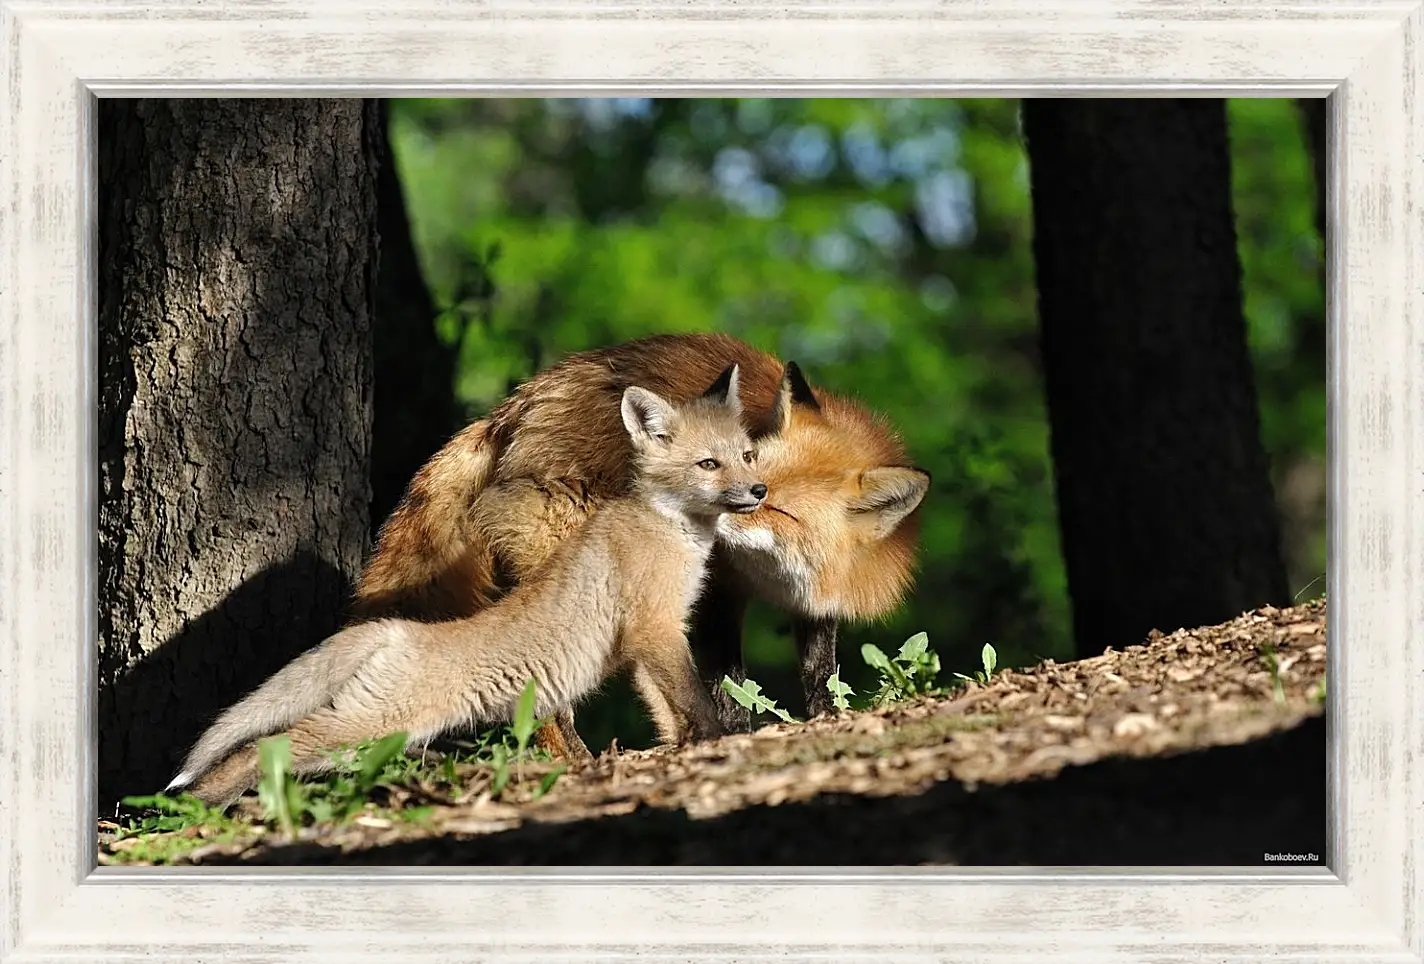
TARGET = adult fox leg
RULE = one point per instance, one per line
(717, 640)
(816, 651)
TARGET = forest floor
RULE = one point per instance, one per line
(1202, 747)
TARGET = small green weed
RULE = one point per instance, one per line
(282, 796)
(523, 728)
(173, 813)
(911, 673)
(990, 660)
(174, 826)
(748, 694)
(1268, 656)
(840, 692)
(549, 779)
(1317, 692)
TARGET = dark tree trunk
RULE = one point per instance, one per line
(415, 409)
(237, 259)
(1314, 113)
(1164, 492)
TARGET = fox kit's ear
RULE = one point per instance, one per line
(890, 493)
(795, 390)
(646, 416)
(726, 390)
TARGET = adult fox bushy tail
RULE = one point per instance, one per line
(616, 594)
(835, 542)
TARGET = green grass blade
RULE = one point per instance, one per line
(274, 760)
(374, 758)
(524, 722)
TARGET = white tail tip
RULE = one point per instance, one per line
(179, 782)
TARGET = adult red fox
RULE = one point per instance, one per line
(615, 594)
(834, 541)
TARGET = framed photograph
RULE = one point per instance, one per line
(690, 481)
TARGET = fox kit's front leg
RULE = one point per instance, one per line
(665, 676)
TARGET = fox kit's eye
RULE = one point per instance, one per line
(709, 464)
(748, 457)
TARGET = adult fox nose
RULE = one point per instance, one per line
(758, 491)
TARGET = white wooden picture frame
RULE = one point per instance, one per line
(59, 55)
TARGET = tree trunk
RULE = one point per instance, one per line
(237, 258)
(1164, 493)
(415, 409)
(1315, 116)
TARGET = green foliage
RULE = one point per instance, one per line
(546, 783)
(911, 673)
(990, 660)
(524, 726)
(282, 796)
(1273, 666)
(748, 694)
(170, 814)
(499, 762)
(341, 793)
(172, 826)
(524, 722)
(840, 692)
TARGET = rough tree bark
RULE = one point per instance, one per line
(1164, 493)
(237, 257)
(415, 408)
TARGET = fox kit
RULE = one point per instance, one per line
(615, 594)
(835, 540)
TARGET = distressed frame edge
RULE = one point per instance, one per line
(15, 855)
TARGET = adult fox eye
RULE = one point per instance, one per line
(747, 457)
(708, 464)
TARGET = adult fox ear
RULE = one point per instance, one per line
(794, 390)
(888, 494)
(646, 416)
(726, 390)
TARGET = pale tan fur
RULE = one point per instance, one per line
(615, 594)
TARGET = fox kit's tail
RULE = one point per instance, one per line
(300, 688)
(429, 561)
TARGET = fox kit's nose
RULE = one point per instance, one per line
(758, 491)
